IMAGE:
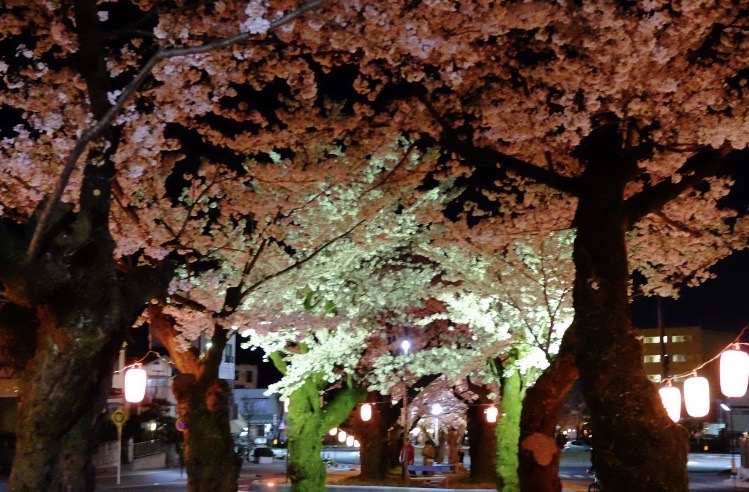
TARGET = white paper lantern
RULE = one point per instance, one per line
(349, 441)
(697, 396)
(135, 384)
(491, 414)
(734, 373)
(366, 412)
(671, 398)
(333, 431)
(342, 436)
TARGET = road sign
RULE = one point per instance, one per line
(119, 417)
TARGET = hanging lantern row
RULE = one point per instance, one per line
(734, 379)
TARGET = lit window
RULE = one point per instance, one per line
(682, 358)
(651, 358)
(654, 339)
(681, 338)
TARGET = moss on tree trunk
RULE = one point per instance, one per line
(508, 430)
(62, 392)
(305, 428)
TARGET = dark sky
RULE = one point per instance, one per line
(720, 304)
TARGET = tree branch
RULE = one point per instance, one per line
(105, 121)
(490, 156)
(651, 199)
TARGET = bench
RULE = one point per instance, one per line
(438, 472)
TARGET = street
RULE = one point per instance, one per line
(707, 473)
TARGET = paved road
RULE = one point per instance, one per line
(707, 473)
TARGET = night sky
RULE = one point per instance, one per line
(720, 304)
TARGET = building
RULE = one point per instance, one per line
(245, 376)
(687, 349)
(263, 413)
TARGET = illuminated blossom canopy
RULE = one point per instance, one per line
(527, 98)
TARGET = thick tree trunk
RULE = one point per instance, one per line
(82, 308)
(508, 431)
(482, 439)
(63, 390)
(305, 427)
(539, 453)
(373, 436)
(631, 430)
(203, 406)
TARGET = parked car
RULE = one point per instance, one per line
(262, 454)
(577, 445)
(279, 452)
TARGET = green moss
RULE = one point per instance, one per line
(508, 432)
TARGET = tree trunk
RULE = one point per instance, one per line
(483, 445)
(203, 406)
(631, 430)
(305, 427)
(395, 445)
(539, 453)
(63, 390)
(508, 430)
(82, 308)
(373, 436)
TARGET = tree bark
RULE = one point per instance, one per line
(305, 427)
(82, 307)
(508, 429)
(482, 439)
(631, 430)
(373, 436)
(539, 454)
(203, 406)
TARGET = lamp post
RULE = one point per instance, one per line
(405, 346)
(727, 409)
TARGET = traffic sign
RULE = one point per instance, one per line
(119, 417)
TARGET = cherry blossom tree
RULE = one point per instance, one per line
(79, 266)
(613, 118)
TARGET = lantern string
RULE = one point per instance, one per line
(736, 341)
(139, 362)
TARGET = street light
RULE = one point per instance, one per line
(727, 409)
(405, 346)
